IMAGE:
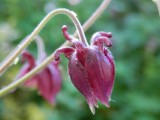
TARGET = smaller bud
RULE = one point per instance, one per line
(47, 81)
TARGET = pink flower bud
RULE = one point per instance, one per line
(91, 68)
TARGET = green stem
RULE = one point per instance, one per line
(24, 44)
(16, 83)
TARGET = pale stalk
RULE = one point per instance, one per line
(92, 19)
(41, 48)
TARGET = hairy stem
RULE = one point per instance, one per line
(24, 44)
(50, 58)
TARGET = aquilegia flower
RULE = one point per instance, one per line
(48, 81)
(91, 68)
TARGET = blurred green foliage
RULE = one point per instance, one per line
(135, 25)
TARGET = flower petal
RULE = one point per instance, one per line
(79, 79)
(100, 72)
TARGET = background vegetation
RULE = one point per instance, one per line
(135, 25)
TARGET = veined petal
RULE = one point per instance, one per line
(100, 72)
(56, 79)
(79, 79)
(45, 84)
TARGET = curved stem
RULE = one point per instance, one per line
(16, 83)
(91, 19)
(94, 16)
(24, 44)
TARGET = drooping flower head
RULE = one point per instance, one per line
(47, 81)
(91, 68)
